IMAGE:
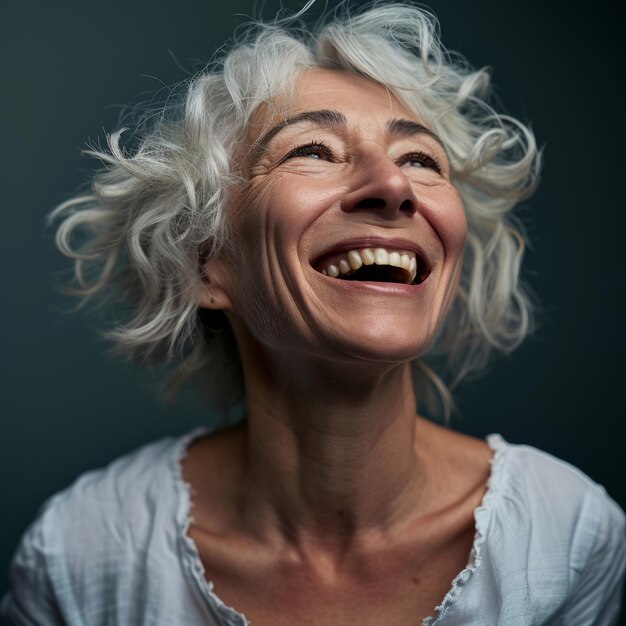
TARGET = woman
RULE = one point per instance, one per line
(326, 222)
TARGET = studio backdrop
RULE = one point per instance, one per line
(71, 66)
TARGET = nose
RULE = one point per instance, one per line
(380, 187)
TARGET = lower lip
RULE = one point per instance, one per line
(377, 287)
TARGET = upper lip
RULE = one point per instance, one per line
(375, 242)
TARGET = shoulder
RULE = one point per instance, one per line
(122, 494)
(89, 535)
(554, 530)
(544, 485)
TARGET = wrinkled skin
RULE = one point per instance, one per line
(294, 207)
(334, 488)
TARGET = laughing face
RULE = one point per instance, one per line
(348, 231)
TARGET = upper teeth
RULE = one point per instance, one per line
(352, 260)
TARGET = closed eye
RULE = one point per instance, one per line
(420, 159)
(313, 150)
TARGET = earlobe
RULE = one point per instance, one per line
(213, 295)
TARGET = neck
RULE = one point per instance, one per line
(331, 454)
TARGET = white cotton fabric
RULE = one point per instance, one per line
(112, 549)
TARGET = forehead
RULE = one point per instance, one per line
(362, 100)
(341, 88)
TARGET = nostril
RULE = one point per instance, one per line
(371, 203)
(407, 206)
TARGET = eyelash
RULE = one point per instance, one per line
(424, 158)
(312, 147)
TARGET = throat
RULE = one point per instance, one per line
(330, 491)
(330, 451)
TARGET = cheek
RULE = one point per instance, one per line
(447, 216)
(265, 226)
(260, 210)
(456, 228)
(274, 215)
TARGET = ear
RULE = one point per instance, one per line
(215, 292)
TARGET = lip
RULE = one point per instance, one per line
(374, 242)
(386, 289)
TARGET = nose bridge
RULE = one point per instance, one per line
(379, 184)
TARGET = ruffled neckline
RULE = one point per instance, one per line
(229, 616)
(482, 517)
(203, 588)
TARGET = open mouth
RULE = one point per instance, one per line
(375, 265)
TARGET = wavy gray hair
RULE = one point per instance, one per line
(156, 211)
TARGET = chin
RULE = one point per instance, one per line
(385, 344)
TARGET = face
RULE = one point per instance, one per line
(349, 233)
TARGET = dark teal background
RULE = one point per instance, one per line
(67, 407)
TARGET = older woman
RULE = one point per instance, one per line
(326, 219)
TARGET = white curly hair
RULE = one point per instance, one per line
(155, 212)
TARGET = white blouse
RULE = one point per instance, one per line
(549, 548)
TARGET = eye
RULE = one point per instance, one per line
(313, 150)
(420, 159)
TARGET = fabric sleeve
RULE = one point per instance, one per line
(596, 593)
(31, 599)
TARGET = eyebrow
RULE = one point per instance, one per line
(325, 118)
(408, 128)
(328, 118)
